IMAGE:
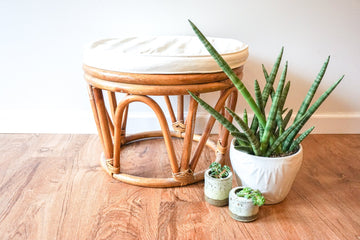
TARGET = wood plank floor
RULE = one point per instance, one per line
(52, 187)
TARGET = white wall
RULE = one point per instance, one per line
(42, 89)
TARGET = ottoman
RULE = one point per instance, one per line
(141, 67)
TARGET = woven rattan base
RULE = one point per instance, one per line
(111, 119)
(176, 180)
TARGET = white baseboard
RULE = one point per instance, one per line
(72, 121)
(49, 121)
(335, 123)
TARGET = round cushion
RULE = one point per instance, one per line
(162, 54)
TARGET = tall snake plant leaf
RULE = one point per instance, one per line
(246, 149)
(255, 124)
(231, 75)
(280, 111)
(268, 89)
(271, 78)
(245, 117)
(286, 120)
(266, 75)
(283, 97)
(254, 142)
(259, 101)
(309, 112)
(298, 140)
(222, 120)
(309, 96)
(258, 96)
(241, 138)
(273, 111)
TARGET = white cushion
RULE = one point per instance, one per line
(162, 54)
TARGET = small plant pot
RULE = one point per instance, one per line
(240, 208)
(217, 189)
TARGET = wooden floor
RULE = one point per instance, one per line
(52, 187)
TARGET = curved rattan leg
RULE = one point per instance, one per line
(124, 123)
(180, 108)
(112, 103)
(104, 123)
(189, 132)
(95, 113)
(163, 124)
(170, 109)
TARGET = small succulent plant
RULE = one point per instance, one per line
(254, 195)
(218, 171)
(266, 135)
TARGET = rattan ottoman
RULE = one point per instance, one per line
(138, 68)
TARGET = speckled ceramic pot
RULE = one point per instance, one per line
(217, 189)
(242, 209)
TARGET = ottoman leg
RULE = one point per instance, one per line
(189, 135)
(119, 114)
(111, 129)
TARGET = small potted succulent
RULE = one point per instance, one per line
(218, 183)
(244, 203)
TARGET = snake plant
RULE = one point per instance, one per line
(266, 135)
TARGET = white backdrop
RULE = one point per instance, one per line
(42, 89)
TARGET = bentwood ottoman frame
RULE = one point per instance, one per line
(138, 88)
(143, 67)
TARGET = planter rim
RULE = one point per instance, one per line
(218, 179)
(267, 158)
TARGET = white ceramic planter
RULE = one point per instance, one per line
(217, 189)
(272, 176)
(242, 209)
